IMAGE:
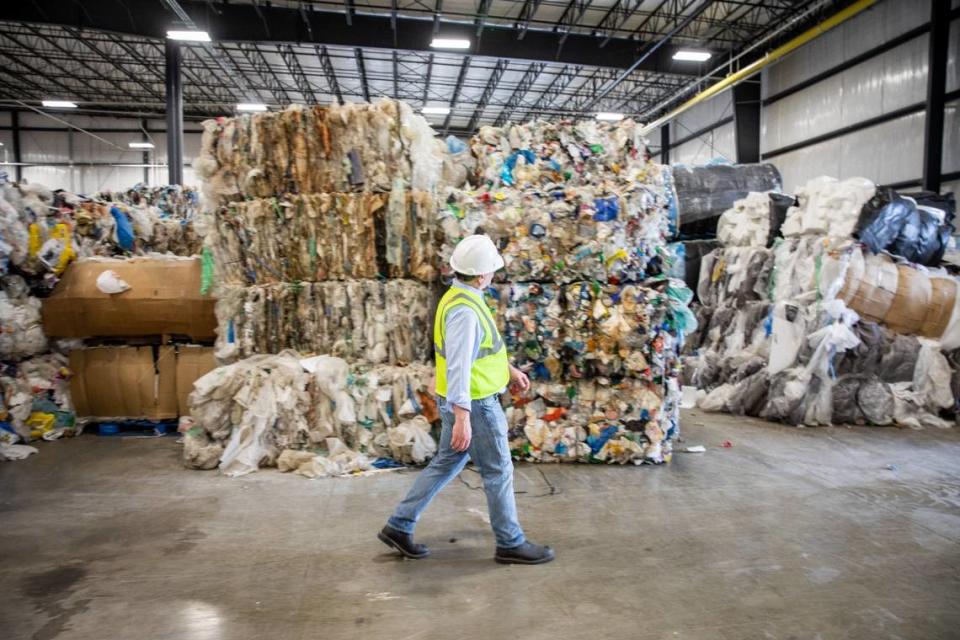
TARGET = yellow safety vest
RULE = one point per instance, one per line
(490, 372)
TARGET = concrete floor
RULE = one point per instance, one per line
(791, 533)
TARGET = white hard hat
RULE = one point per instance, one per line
(476, 255)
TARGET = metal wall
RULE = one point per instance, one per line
(62, 157)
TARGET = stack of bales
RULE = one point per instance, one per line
(582, 218)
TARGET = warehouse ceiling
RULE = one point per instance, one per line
(527, 58)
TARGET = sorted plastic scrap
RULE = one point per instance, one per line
(548, 154)
(21, 332)
(584, 330)
(370, 320)
(568, 233)
(317, 416)
(324, 236)
(633, 421)
(753, 221)
(350, 147)
(35, 397)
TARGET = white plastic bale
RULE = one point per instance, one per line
(260, 408)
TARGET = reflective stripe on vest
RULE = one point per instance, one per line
(485, 318)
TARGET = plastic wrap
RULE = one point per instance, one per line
(704, 193)
(21, 333)
(261, 407)
(369, 320)
(882, 219)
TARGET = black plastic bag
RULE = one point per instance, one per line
(882, 219)
(845, 407)
(923, 239)
(779, 203)
(945, 202)
(900, 359)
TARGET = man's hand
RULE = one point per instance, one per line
(519, 382)
(460, 439)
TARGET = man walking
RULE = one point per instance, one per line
(472, 372)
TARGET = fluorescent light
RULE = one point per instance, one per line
(435, 111)
(450, 43)
(141, 145)
(610, 117)
(251, 106)
(689, 55)
(59, 104)
(189, 36)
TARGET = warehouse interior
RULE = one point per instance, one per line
(729, 271)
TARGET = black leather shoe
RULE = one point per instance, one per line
(527, 553)
(403, 542)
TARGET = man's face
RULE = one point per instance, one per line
(484, 281)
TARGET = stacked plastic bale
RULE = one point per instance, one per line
(581, 217)
(322, 240)
(813, 331)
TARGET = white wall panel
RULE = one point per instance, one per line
(53, 177)
(887, 153)
(880, 85)
(702, 115)
(44, 146)
(716, 144)
(951, 137)
(869, 29)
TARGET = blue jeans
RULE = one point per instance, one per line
(490, 451)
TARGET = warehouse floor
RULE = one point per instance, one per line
(791, 533)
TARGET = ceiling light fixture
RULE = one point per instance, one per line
(59, 104)
(688, 55)
(251, 106)
(189, 35)
(450, 43)
(435, 111)
(141, 145)
(608, 116)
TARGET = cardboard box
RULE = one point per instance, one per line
(136, 382)
(911, 304)
(124, 382)
(163, 299)
(192, 363)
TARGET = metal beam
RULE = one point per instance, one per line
(289, 57)
(665, 144)
(549, 95)
(650, 51)
(144, 137)
(526, 81)
(936, 89)
(174, 86)
(746, 121)
(464, 68)
(492, 83)
(15, 123)
(240, 22)
(329, 72)
(527, 11)
(361, 69)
